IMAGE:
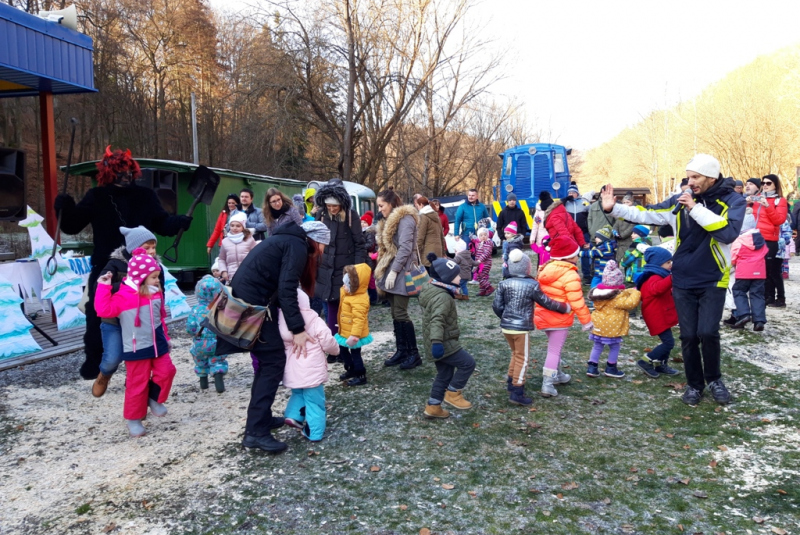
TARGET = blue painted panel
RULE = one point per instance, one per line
(541, 173)
(523, 177)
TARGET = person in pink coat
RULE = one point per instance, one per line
(307, 375)
(235, 246)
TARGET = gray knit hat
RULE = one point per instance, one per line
(519, 265)
(317, 231)
(136, 237)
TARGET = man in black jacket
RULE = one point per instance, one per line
(510, 213)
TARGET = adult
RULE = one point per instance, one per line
(578, 209)
(397, 237)
(346, 245)
(429, 237)
(278, 210)
(468, 215)
(624, 229)
(269, 276)
(255, 217)
(708, 220)
(510, 213)
(557, 222)
(220, 227)
(770, 212)
(116, 202)
(439, 209)
(738, 186)
(598, 219)
(684, 185)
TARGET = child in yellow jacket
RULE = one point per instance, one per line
(354, 322)
(612, 304)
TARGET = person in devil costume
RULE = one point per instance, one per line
(116, 202)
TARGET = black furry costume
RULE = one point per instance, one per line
(106, 208)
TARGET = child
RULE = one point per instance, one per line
(612, 302)
(203, 347)
(454, 366)
(483, 255)
(139, 305)
(513, 304)
(110, 330)
(513, 241)
(603, 250)
(748, 255)
(466, 263)
(306, 377)
(667, 236)
(235, 246)
(658, 309)
(354, 323)
(215, 269)
(560, 281)
(633, 261)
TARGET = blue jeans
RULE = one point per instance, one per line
(699, 313)
(749, 297)
(112, 348)
(464, 290)
(313, 399)
(661, 351)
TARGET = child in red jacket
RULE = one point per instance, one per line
(658, 309)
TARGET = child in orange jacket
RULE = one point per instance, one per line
(560, 281)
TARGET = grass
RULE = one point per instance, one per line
(605, 456)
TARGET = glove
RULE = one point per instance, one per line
(184, 221)
(588, 327)
(63, 201)
(391, 278)
(569, 308)
(437, 350)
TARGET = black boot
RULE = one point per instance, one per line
(358, 380)
(358, 375)
(219, 383)
(402, 348)
(413, 359)
(266, 443)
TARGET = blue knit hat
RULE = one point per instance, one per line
(641, 230)
(657, 255)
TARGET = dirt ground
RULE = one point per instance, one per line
(70, 467)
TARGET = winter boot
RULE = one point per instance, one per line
(135, 427)
(730, 322)
(413, 359)
(219, 383)
(435, 411)
(612, 371)
(648, 366)
(741, 322)
(156, 408)
(778, 303)
(358, 373)
(561, 377)
(548, 390)
(402, 348)
(517, 396)
(266, 443)
(509, 380)
(455, 399)
(100, 385)
(662, 367)
(592, 369)
(204, 382)
(358, 379)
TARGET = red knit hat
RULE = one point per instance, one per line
(367, 217)
(563, 247)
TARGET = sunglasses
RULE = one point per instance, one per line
(767, 183)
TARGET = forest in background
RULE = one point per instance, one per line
(749, 120)
(380, 92)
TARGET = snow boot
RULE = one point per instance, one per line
(219, 383)
(413, 358)
(204, 382)
(561, 377)
(518, 397)
(455, 399)
(402, 349)
(156, 408)
(135, 428)
(548, 390)
(100, 385)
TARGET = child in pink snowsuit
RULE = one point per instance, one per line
(483, 254)
(139, 305)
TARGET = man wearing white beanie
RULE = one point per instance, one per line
(706, 218)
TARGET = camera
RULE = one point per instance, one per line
(754, 198)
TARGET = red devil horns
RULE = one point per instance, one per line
(108, 153)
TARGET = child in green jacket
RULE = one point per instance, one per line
(633, 261)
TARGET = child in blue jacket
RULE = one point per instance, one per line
(603, 250)
(205, 343)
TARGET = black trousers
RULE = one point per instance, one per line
(699, 313)
(774, 282)
(271, 364)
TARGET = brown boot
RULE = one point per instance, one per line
(435, 411)
(455, 399)
(100, 385)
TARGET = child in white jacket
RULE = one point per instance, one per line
(307, 375)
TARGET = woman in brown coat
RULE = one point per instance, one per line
(429, 236)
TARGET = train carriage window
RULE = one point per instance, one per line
(558, 162)
(165, 184)
(509, 161)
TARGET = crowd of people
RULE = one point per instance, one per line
(319, 267)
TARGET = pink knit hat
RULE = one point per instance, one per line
(612, 277)
(511, 227)
(140, 266)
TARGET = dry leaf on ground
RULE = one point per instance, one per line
(374, 468)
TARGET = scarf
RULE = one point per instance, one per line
(648, 271)
(236, 238)
(278, 213)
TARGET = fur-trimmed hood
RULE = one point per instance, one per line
(387, 228)
(338, 192)
(604, 294)
(121, 253)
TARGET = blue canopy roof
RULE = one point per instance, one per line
(37, 55)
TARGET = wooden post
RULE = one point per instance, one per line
(49, 167)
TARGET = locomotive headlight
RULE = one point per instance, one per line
(509, 188)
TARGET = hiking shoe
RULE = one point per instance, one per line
(548, 390)
(758, 326)
(456, 399)
(291, 422)
(730, 322)
(612, 371)
(266, 443)
(435, 411)
(719, 392)
(517, 396)
(135, 427)
(662, 367)
(741, 322)
(647, 367)
(219, 383)
(357, 380)
(100, 385)
(691, 396)
(592, 369)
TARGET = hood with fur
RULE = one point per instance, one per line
(335, 190)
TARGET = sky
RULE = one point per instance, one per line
(584, 70)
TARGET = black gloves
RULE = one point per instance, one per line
(62, 201)
(184, 221)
